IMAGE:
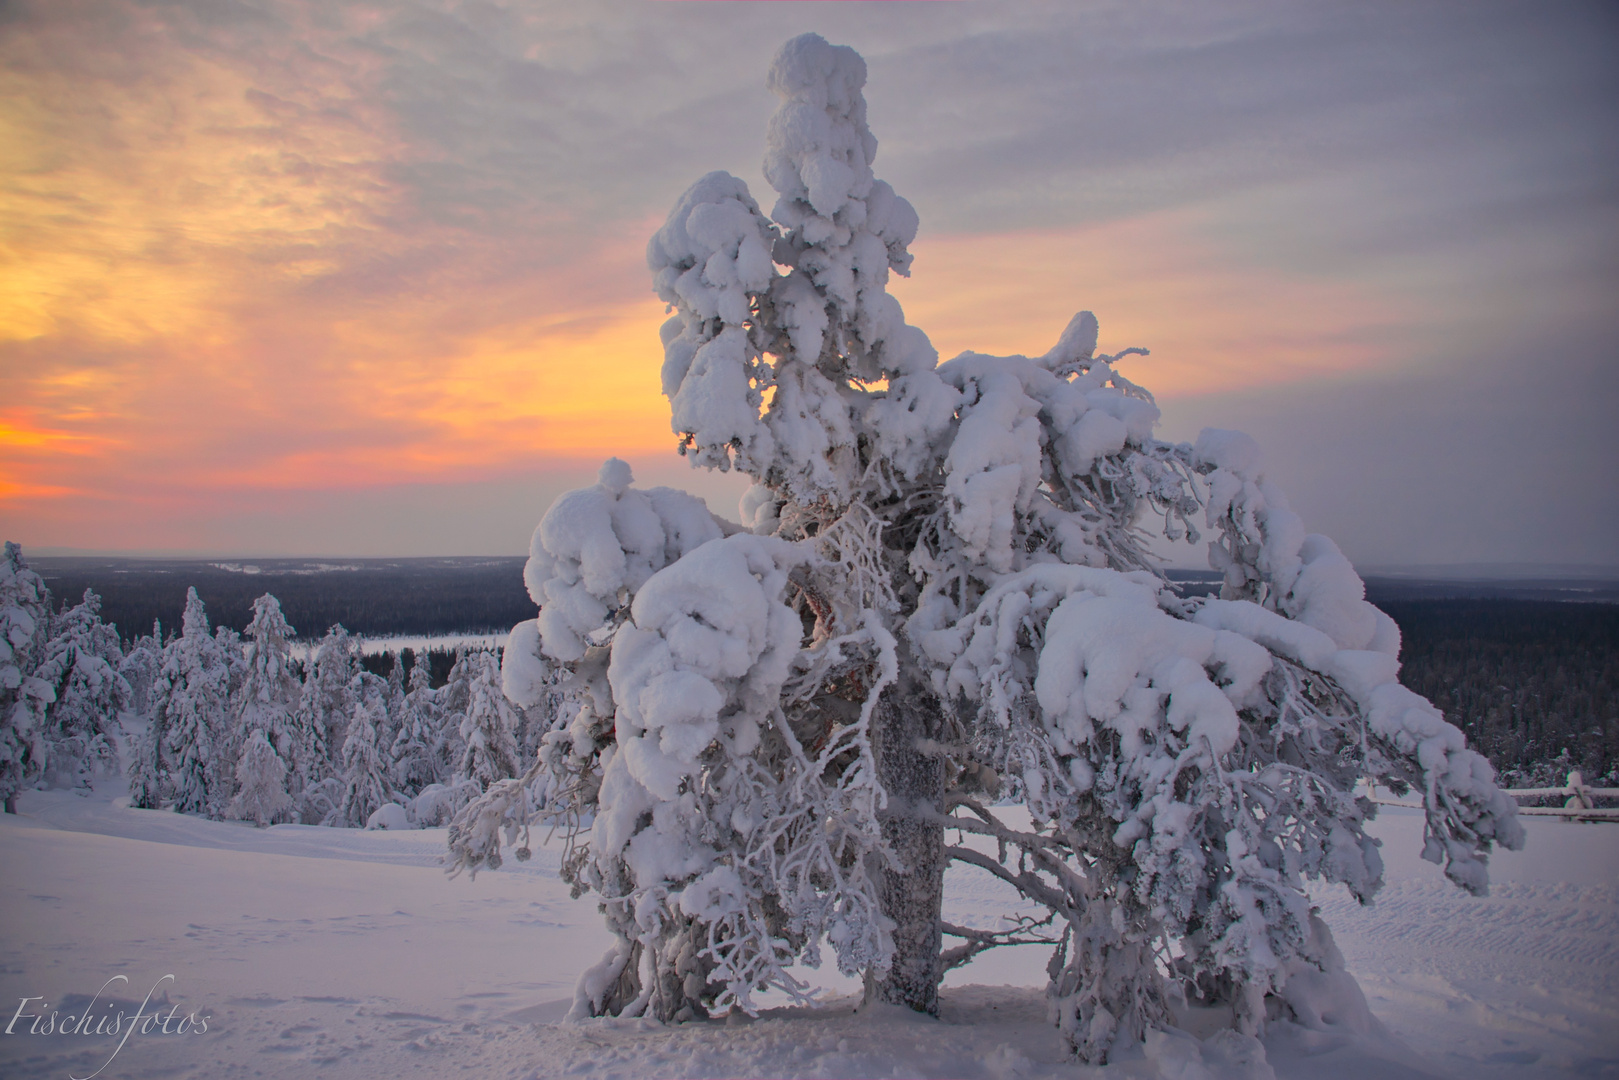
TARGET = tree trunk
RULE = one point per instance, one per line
(912, 892)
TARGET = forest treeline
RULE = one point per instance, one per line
(376, 598)
(229, 724)
(1533, 683)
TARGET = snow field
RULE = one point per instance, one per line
(349, 954)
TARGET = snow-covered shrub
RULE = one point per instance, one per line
(24, 696)
(390, 817)
(436, 805)
(942, 596)
(261, 783)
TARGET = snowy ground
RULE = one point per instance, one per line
(376, 646)
(349, 954)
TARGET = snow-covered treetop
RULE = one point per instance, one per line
(194, 623)
(815, 335)
(269, 627)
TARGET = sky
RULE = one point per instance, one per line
(320, 277)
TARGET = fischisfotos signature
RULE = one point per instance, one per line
(112, 1020)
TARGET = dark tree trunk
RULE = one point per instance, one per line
(913, 891)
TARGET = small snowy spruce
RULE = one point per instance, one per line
(365, 779)
(416, 758)
(940, 598)
(329, 698)
(261, 783)
(189, 711)
(266, 704)
(140, 666)
(488, 727)
(24, 695)
(325, 711)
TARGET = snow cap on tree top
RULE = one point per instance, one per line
(1078, 342)
(195, 621)
(819, 149)
(615, 475)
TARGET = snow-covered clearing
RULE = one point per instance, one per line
(392, 643)
(349, 954)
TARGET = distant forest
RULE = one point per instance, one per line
(369, 597)
(1534, 683)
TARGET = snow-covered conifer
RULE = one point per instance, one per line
(416, 758)
(451, 702)
(140, 666)
(261, 782)
(24, 696)
(267, 702)
(149, 786)
(328, 702)
(365, 780)
(488, 727)
(82, 663)
(943, 598)
(190, 704)
(233, 654)
(393, 692)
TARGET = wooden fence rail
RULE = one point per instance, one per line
(1578, 804)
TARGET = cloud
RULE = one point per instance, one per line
(1160, 281)
(278, 250)
(1495, 457)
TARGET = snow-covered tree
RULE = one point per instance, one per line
(365, 779)
(261, 782)
(233, 655)
(189, 709)
(488, 726)
(941, 596)
(24, 696)
(396, 696)
(328, 702)
(451, 702)
(82, 663)
(140, 667)
(267, 702)
(416, 758)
